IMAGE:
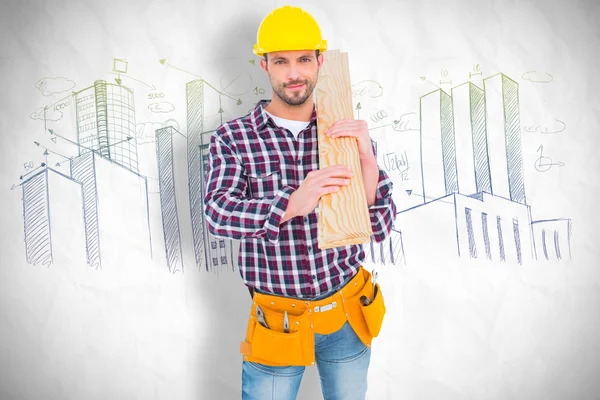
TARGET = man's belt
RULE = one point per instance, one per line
(269, 342)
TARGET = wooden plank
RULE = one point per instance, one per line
(344, 215)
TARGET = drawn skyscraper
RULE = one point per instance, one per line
(195, 125)
(438, 154)
(115, 208)
(217, 252)
(106, 123)
(471, 140)
(504, 137)
(53, 218)
(168, 197)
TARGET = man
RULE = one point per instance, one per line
(263, 186)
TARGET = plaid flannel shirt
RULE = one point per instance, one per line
(253, 168)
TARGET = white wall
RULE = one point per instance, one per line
(458, 329)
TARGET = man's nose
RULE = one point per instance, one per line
(294, 72)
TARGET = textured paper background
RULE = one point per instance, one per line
(456, 328)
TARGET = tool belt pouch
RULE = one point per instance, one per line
(366, 320)
(272, 346)
(374, 312)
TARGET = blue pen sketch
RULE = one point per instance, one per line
(215, 253)
(470, 198)
(99, 158)
(473, 201)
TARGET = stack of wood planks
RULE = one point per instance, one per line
(343, 215)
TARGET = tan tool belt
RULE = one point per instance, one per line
(274, 347)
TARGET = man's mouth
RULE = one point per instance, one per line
(296, 86)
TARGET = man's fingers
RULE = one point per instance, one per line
(327, 190)
(336, 182)
(340, 171)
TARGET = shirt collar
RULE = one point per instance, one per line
(260, 118)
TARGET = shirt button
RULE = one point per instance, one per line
(309, 248)
(306, 220)
(314, 277)
(299, 162)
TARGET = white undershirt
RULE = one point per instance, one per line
(294, 126)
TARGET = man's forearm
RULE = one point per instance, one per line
(370, 174)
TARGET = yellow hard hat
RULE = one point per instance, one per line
(288, 28)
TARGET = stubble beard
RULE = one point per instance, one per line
(297, 98)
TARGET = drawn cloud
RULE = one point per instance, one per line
(52, 114)
(162, 107)
(49, 86)
(556, 127)
(367, 88)
(145, 132)
(536, 76)
(406, 122)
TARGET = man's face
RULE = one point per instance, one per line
(293, 74)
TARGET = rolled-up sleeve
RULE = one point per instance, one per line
(383, 211)
(230, 213)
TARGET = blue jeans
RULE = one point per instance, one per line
(342, 361)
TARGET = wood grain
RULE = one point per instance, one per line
(344, 215)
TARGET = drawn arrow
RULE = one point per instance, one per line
(42, 165)
(163, 61)
(70, 141)
(409, 191)
(380, 126)
(119, 142)
(253, 62)
(47, 151)
(358, 108)
(119, 80)
(424, 79)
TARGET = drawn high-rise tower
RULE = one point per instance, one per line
(106, 123)
(504, 137)
(438, 153)
(214, 252)
(195, 125)
(473, 169)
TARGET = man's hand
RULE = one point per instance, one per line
(368, 162)
(316, 184)
(356, 128)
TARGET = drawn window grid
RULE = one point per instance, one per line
(470, 233)
(517, 238)
(486, 235)
(500, 238)
(85, 98)
(544, 244)
(86, 116)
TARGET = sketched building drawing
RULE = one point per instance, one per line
(112, 196)
(106, 123)
(552, 239)
(215, 253)
(56, 236)
(474, 202)
(390, 251)
(173, 188)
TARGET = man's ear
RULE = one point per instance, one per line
(263, 64)
(320, 60)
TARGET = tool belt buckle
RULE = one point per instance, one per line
(326, 307)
